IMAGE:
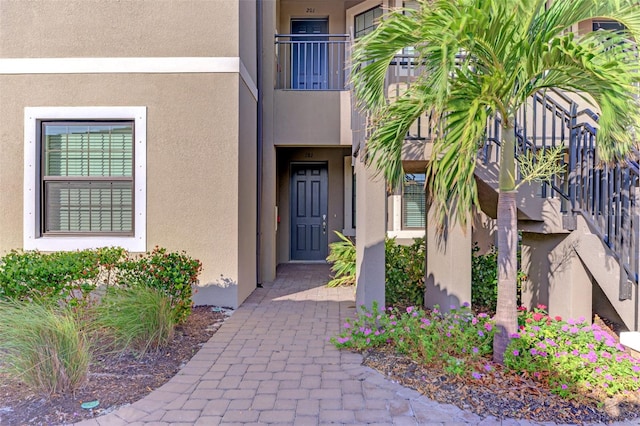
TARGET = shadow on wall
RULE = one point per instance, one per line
(436, 295)
(549, 258)
(371, 276)
(223, 292)
(484, 231)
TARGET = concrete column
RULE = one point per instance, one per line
(556, 276)
(268, 218)
(370, 234)
(448, 266)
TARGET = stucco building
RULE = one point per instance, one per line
(226, 128)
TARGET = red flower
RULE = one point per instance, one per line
(543, 307)
(558, 318)
(537, 316)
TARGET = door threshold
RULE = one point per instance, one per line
(307, 261)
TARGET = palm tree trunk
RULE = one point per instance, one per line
(506, 309)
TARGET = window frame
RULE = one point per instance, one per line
(34, 236)
(607, 23)
(403, 207)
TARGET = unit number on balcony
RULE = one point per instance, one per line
(311, 10)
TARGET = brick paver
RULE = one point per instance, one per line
(270, 362)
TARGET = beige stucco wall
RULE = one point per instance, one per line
(247, 33)
(247, 196)
(201, 127)
(194, 188)
(335, 162)
(312, 117)
(94, 28)
(334, 10)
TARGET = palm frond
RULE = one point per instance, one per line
(483, 58)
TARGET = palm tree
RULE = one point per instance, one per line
(481, 59)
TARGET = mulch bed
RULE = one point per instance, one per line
(113, 380)
(500, 393)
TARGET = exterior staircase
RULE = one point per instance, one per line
(580, 230)
(591, 210)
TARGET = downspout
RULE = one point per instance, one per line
(259, 156)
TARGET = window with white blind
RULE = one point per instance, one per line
(87, 177)
(85, 181)
(413, 201)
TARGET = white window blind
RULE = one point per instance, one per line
(413, 201)
(87, 177)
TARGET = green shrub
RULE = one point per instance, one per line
(43, 346)
(484, 279)
(36, 276)
(405, 269)
(342, 256)
(72, 276)
(138, 318)
(171, 273)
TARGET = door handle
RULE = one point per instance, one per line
(324, 224)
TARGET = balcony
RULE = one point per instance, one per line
(311, 62)
(311, 104)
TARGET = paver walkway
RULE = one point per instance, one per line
(271, 363)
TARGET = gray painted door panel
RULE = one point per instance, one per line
(309, 55)
(309, 212)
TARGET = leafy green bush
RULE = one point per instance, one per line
(72, 276)
(38, 276)
(405, 269)
(342, 256)
(571, 357)
(484, 279)
(172, 273)
(43, 346)
(139, 318)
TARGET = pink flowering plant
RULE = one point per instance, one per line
(457, 339)
(572, 356)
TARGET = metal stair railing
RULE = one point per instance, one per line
(606, 195)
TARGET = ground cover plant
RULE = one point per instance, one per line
(571, 357)
(554, 370)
